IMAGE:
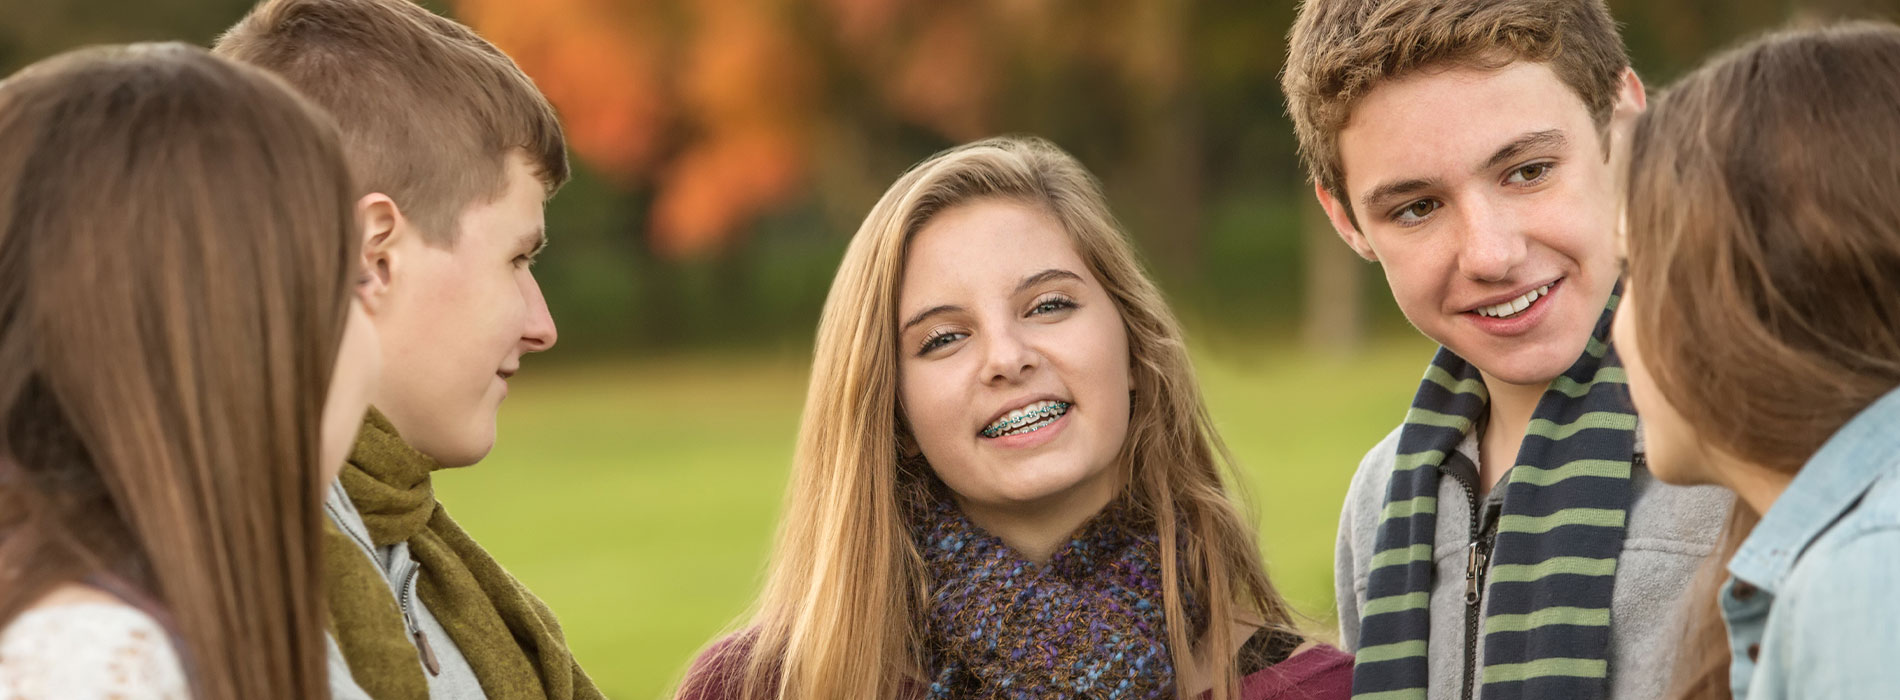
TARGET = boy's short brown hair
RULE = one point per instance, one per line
(1339, 50)
(429, 110)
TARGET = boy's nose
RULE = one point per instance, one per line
(1493, 246)
(539, 333)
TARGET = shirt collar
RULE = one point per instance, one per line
(1827, 486)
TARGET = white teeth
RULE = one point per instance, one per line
(1514, 306)
(1029, 418)
(1026, 410)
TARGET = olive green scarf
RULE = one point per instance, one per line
(509, 637)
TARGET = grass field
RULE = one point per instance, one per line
(639, 500)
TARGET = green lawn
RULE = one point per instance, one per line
(639, 500)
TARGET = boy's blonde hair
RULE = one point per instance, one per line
(1339, 50)
(429, 110)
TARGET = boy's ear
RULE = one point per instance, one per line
(1631, 98)
(383, 227)
(1343, 224)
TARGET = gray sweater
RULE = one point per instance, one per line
(1671, 530)
(457, 679)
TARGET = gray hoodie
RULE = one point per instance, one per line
(457, 679)
(1671, 530)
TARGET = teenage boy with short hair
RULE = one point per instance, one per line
(457, 152)
(1506, 541)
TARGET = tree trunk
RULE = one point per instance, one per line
(1334, 298)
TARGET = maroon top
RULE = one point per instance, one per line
(1319, 673)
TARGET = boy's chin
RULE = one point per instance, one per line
(1521, 364)
(467, 447)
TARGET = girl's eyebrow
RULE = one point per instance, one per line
(1054, 273)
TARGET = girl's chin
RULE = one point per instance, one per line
(1053, 492)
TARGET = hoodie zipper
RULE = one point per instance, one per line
(403, 592)
(1477, 564)
(408, 589)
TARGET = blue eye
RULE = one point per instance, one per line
(938, 339)
(1052, 305)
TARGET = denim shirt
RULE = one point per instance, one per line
(1811, 601)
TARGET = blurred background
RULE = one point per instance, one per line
(726, 150)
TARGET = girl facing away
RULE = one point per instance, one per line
(1762, 337)
(1006, 483)
(177, 253)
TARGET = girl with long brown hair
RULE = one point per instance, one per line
(1761, 333)
(182, 368)
(1006, 483)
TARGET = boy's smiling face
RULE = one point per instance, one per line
(1487, 198)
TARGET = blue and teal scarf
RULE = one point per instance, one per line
(1552, 571)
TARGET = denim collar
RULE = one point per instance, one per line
(1831, 482)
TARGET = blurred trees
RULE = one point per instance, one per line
(732, 118)
(723, 119)
(729, 109)
(728, 148)
(34, 29)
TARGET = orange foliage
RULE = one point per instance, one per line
(598, 65)
(716, 105)
(944, 82)
(717, 188)
(752, 90)
(721, 136)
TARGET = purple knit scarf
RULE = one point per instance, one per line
(1090, 623)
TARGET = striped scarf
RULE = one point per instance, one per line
(1553, 568)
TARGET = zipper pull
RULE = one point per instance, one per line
(1474, 565)
(428, 654)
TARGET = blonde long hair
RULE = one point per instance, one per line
(839, 617)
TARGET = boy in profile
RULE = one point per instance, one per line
(456, 151)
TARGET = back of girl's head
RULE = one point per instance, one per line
(1764, 238)
(840, 606)
(175, 256)
(1764, 248)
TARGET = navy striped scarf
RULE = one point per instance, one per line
(1553, 568)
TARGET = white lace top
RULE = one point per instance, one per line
(88, 651)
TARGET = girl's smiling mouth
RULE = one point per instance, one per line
(1027, 419)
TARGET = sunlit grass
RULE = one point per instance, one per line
(639, 500)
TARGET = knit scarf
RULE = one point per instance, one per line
(1089, 623)
(509, 637)
(1553, 567)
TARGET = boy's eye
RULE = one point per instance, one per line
(1417, 211)
(1529, 173)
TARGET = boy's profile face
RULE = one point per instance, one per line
(1487, 199)
(458, 322)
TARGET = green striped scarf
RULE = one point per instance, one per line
(1553, 568)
